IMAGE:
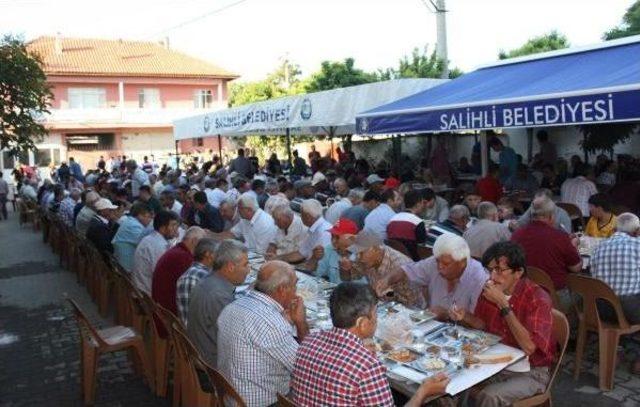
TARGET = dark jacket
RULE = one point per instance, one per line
(101, 234)
(210, 219)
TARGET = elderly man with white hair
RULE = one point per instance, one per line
(451, 276)
(335, 211)
(317, 237)
(87, 212)
(255, 335)
(486, 231)
(616, 261)
(256, 227)
(291, 232)
(65, 212)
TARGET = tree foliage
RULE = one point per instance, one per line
(630, 24)
(547, 42)
(605, 136)
(284, 81)
(338, 74)
(420, 64)
(24, 96)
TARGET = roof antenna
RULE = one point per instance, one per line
(57, 44)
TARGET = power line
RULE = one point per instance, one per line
(200, 17)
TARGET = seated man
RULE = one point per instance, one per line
(146, 197)
(486, 230)
(519, 311)
(256, 334)
(616, 261)
(206, 216)
(152, 247)
(451, 277)
(358, 213)
(352, 198)
(378, 219)
(343, 234)
(169, 202)
(408, 227)
(291, 232)
(333, 368)
(489, 187)
(103, 225)
(471, 201)
(212, 294)
(561, 218)
(316, 238)
(549, 248)
(577, 190)
(522, 181)
(256, 227)
(131, 231)
(204, 256)
(456, 224)
(375, 260)
(437, 207)
(602, 222)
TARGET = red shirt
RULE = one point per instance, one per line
(333, 368)
(549, 249)
(489, 189)
(169, 268)
(532, 306)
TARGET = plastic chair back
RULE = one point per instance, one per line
(541, 278)
(87, 330)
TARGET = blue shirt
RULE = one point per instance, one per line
(508, 163)
(129, 234)
(378, 219)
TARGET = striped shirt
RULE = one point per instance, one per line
(577, 191)
(616, 261)
(186, 284)
(257, 348)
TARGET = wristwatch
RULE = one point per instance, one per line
(504, 311)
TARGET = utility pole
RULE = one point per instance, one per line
(441, 47)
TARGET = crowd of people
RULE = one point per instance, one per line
(185, 235)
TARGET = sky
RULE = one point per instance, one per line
(252, 37)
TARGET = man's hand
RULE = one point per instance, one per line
(318, 253)
(494, 294)
(456, 313)
(345, 264)
(441, 313)
(296, 311)
(381, 286)
(434, 385)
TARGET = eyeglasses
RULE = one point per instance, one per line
(497, 270)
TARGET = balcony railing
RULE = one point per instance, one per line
(123, 116)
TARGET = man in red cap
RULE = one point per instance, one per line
(343, 234)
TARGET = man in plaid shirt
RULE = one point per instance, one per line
(519, 311)
(333, 368)
(203, 256)
(616, 261)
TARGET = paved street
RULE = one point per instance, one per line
(39, 348)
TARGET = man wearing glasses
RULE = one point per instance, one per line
(519, 311)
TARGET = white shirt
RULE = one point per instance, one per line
(138, 179)
(215, 196)
(378, 219)
(257, 232)
(317, 235)
(147, 253)
(335, 211)
(177, 207)
(290, 241)
(577, 191)
(158, 187)
(234, 194)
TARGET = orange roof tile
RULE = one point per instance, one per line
(100, 57)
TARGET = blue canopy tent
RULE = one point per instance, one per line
(585, 85)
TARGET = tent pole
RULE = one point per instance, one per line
(529, 144)
(220, 148)
(484, 153)
(288, 135)
(177, 156)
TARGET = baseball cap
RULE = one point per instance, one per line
(365, 240)
(344, 226)
(373, 179)
(103, 204)
(318, 177)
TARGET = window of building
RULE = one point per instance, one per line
(149, 98)
(43, 157)
(203, 99)
(198, 142)
(87, 98)
(8, 160)
(90, 142)
(56, 156)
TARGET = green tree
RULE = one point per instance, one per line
(336, 74)
(420, 64)
(604, 136)
(542, 43)
(284, 81)
(24, 96)
(630, 24)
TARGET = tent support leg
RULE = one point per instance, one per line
(220, 148)
(484, 153)
(288, 135)
(529, 144)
